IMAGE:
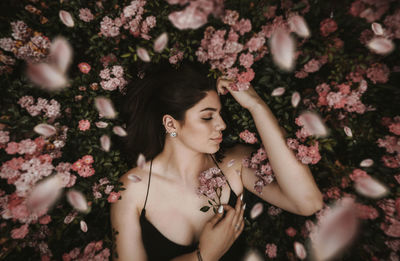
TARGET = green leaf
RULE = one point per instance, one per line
(205, 208)
(125, 55)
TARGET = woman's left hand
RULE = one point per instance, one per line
(247, 98)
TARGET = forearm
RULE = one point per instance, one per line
(294, 178)
(192, 256)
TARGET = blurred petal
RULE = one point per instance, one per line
(101, 124)
(348, 131)
(141, 160)
(61, 53)
(84, 227)
(45, 193)
(46, 76)
(278, 91)
(119, 131)
(189, 18)
(295, 99)
(282, 49)
(66, 18)
(77, 200)
(143, 54)
(300, 250)
(105, 107)
(377, 28)
(336, 230)
(313, 124)
(253, 255)
(230, 163)
(105, 142)
(134, 178)
(161, 42)
(381, 45)
(256, 210)
(366, 163)
(370, 187)
(45, 129)
(299, 26)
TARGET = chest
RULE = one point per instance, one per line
(175, 212)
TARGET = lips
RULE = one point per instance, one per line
(219, 139)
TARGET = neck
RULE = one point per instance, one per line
(180, 162)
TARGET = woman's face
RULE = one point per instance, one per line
(202, 130)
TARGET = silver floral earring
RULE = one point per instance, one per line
(172, 134)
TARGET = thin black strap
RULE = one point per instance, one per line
(148, 186)
(221, 171)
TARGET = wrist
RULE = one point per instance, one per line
(203, 255)
(256, 105)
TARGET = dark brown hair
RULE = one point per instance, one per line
(163, 90)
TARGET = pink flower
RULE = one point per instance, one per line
(246, 60)
(12, 147)
(378, 73)
(84, 68)
(328, 26)
(366, 212)
(395, 128)
(246, 76)
(291, 232)
(20, 233)
(84, 125)
(270, 250)
(358, 173)
(243, 26)
(87, 159)
(312, 66)
(77, 165)
(86, 171)
(113, 197)
(85, 15)
(248, 137)
(45, 220)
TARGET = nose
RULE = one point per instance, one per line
(221, 124)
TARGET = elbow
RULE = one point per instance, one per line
(310, 209)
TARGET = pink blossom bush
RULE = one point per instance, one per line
(211, 183)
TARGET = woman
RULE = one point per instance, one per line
(173, 118)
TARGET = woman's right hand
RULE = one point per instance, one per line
(221, 231)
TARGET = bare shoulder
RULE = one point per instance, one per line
(231, 165)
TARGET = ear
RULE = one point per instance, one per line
(170, 123)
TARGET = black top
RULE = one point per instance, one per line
(159, 248)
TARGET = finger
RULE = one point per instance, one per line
(238, 208)
(229, 214)
(214, 220)
(241, 214)
(240, 230)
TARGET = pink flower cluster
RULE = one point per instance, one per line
(366, 212)
(327, 26)
(345, 98)
(391, 224)
(371, 10)
(392, 23)
(51, 108)
(248, 137)
(274, 211)
(264, 172)
(211, 183)
(93, 251)
(113, 78)
(270, 250)
(26, 44)
(311, 66)
(130, 19)
(378, 73)
(332, 193)
(84, 166)
(112, 195)
(85, 15)
(391, 143)
(175, 55)
(305, 154)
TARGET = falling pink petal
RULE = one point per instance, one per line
(230, 163)
(141, 160)
(370, 187)
(366, 163)
(295, 99)
(101, 124)
(119, 131)
(84, 227)
(256, 210)
(105, 142)
(189, 18)
(160, 43)
(45, 193)
(299, 26)
(143, 54)
(61, 54)
(278, 91)
(105, 107)
(381, 45)
(134, 178)
(77, 200)
(66, 18)
(377, 28)
(336, 230)
(45, 129)
(282, 49)
(300, 250)
(46, 76)
(348, 131)
(313, 124)
(253, 255)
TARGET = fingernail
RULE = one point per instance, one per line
(241, 197)
(221, 209)
(244, 206)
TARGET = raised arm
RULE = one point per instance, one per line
(295, 189)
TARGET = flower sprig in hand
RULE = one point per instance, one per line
(211, 183)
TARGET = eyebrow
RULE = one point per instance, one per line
(209, 109)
